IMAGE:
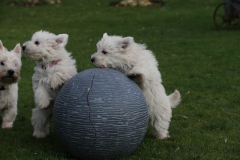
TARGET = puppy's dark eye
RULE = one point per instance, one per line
(104, 52)
(2, 63)
(36, 42)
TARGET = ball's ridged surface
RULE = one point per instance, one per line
(99, 114)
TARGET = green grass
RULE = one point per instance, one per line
(201, 62)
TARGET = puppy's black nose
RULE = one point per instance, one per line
(23, 48)
(92, 60)
(10, 72)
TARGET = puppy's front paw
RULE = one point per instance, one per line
(56, 86)
(40, 134)
(43, 103)
(133, 73)
(132, 76)
(7, 125)
(136, 77)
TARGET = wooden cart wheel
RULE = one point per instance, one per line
(235, 16)
(220, 16)
(226, 15)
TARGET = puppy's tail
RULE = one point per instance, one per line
(175, 98)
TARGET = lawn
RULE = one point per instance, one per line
(201, 62)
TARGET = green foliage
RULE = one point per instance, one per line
(201, 62)
(27, 2)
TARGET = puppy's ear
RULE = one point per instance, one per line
(126, 42)
(62, 39)
(17, 50)
(105, 35)
(1, 46)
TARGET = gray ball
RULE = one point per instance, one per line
(100, 114)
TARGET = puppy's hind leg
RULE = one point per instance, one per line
(159, 109)
(40, 121)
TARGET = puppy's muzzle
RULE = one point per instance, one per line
(10, 72)
(23, 48)
(92, 60)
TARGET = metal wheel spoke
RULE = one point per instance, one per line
(222, 24)
(233, 15)
(219, 17)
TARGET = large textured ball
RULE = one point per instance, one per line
(100, 114)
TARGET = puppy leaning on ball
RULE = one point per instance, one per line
(138, 63)
(54, 66)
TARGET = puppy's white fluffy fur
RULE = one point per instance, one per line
(10, 65)
(140, 64)
(54, 66)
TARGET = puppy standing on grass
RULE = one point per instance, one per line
(138, 63)
(54, 66)
(10, 65)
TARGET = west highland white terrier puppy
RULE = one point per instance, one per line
(10, 65)
(139, 64)
(54, 67)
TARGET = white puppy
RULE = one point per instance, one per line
(10, 65)
(54, 66)
(138, 63)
